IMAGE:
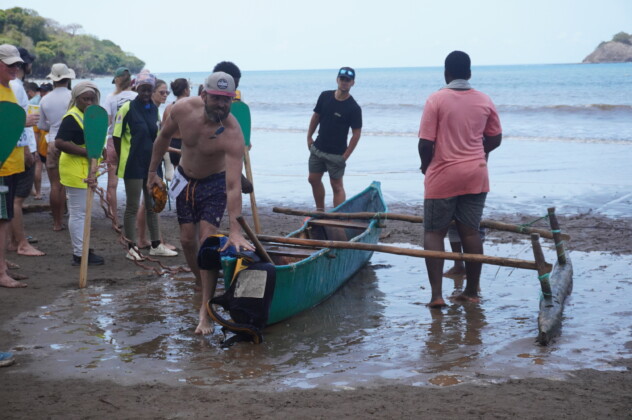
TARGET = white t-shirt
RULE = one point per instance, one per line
(114, 102)
(28, 136)
(52, 109)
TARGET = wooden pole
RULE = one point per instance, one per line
(557, 236)
(83, 269)
(486, 259)
(414, 219)
(253, 237)
(253, 201)
(544, 269)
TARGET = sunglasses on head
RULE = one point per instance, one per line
(348, 73)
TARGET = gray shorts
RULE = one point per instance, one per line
(24, 182)
(467, 209)
(321, 162)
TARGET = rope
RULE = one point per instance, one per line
(523, 227)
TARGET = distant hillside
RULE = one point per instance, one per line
(618, 50)
(52, 43)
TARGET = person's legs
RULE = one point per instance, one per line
(318, 190)
(208, 279)
(339, 190)
(141, 227)
(190, 245)
(457, 271)
(110, 195)
(19, 243)
(437, 216)
(133, 190)
(57, 191)
(37, 179)
(76, 218)
(5, 279)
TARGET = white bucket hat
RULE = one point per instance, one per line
(60, 71)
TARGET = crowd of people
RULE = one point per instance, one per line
(201, 147)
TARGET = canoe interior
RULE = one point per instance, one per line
(307, 276)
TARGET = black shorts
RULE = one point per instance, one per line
(24, 182)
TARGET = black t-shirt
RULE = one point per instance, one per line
(336, 117)
(69, 130)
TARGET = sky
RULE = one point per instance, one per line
(193, 35)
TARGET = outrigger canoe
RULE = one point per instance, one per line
(306, 276)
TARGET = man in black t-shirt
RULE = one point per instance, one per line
(336, 111)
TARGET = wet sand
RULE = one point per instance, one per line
(47, 382)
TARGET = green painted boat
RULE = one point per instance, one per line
(307, 276)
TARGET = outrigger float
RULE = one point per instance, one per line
(314, 261)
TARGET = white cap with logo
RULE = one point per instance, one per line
(10, 54)
(220, 83)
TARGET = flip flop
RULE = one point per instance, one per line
(31, 239)
(12, 265)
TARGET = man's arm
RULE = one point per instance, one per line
(353, 142)
(491, 142)
(426, 153)
(161, 145)
(233, 160)
(313, 123)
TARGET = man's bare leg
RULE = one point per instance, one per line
(209, 283)
(37, 179)
(19, 242)
(434, 241)
(457, 271)
(339, 191)
(190, 246)
(318, 190)
(5, 279)
(110, 194)
(472, 244)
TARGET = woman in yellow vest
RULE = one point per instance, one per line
(74, 166)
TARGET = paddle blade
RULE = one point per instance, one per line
(241, 112)
(12, 120)
(95, 128)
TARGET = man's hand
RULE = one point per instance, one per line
(29, 159)
(310, 141)
(153, 179)
(239, 242)
(31, 120)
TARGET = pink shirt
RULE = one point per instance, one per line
(457, 120)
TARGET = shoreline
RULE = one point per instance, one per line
(584, 393)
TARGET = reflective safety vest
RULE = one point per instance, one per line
(73, 169)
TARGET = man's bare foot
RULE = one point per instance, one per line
(59, 228)
(16, 276)
(144, 244)
(455, 273)
(205, 326)
(29, 250)
(6, 281)
(462, 297)
(37, 197)
(437, 303)
(169, 246)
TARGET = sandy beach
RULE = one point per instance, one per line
(63, 391)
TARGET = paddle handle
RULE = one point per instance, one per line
(253, 201)
(83, 269)
(253, 237)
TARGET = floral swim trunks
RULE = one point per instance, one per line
(202, 199)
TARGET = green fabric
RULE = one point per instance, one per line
(12, 121)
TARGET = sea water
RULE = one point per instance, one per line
(567, 133)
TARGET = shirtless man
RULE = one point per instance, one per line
(208, 176)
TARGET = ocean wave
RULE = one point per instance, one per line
(413, 134)
(567, 109)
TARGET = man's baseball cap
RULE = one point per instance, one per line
(60, 71)
(46, 87)
(26, 55)
(347, 72)
(220, 83)
(10, 55)
(119, 72)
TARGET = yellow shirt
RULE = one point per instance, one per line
(15, 162)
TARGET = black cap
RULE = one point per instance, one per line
(46, 87)
(347, 72)
(26, 55)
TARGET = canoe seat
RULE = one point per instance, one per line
(349, 224)
(287, 251)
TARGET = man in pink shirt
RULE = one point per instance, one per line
(459, 127)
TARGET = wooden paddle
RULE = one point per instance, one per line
(95, 128)
(485, 259)
(241, 112)
(416, 219)
(12, 121)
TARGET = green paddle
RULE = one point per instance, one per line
(12, 120)
(95, 129)
(241, 112)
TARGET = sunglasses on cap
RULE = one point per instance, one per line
(346, 73)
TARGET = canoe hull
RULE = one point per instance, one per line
(306, 283)
(551, 309)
